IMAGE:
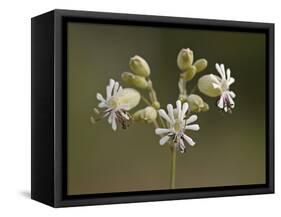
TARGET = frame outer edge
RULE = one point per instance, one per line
(59, 200)
(271, 33)
(42, 94)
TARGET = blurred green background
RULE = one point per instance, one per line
(230, 148)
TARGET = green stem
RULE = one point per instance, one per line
(193, 89)
(173, 167)
(162, 122)
(182, 89)
(153, 95)
(156, 125)
(145, 100)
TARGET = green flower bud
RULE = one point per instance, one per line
(128, 97)
(127, 77)
(139, 66)
(189, 73)
(196, 103)
(205, 85)
(200, 65)
(205, 108)
(183, 97)
(185, 59)
(146, 115)
(134, 80)
(156, 104)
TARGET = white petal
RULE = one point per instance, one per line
(114, 125)
(102, 105)
(228, 74)
(192, 127)
(108, 92)
(109, 88)
(100, 97)
(159, 131)
(164, 115)
(106, 114)
(171, 112)
(110, 118)
(120, 89)
(231, 81)
(220, 102)
(182, 146)
(184, 110)
(191, 119)
(126, 116)
(163, 140)
(223, 71)
(179, 108)
(111, 82)
(219, 70)
(189, 140)
(232, 94)
(116, 86)
(230, 100)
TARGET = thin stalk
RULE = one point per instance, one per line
(173, 167)
(156, 125)
(145, 100)
(161, 122)
(194, 89)
(152, 93)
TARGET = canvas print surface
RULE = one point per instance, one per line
(156, 108)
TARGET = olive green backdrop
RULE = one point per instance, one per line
(230, 148)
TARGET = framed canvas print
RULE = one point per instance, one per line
(130, 108)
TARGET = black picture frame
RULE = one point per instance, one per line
(49, 91)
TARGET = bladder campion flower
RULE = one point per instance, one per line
(177, 125)
(215, 86)
(117, 103)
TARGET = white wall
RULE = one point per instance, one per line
(15, 106)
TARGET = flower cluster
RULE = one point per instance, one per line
(171, 125)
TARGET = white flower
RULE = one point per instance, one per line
(118, 101)
(215, 86)
(177, 125)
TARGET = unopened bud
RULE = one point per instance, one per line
(139, 66)
(146, 115)
(189, 73)
(200, 65)
(134, 80)
(185, 59)
(156, 104)
(205, 108)
(196, 103)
